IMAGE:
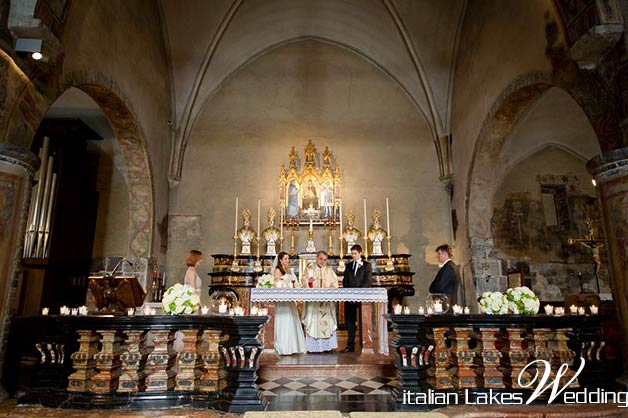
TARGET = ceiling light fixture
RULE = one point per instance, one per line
(32, 45)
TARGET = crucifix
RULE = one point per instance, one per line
(594, 245)
(310, 212)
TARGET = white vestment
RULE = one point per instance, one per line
(319, 318)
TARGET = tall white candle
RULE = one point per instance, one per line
(235, 232)
(340, 218)
(281, 221)
(387, 217)
(365, 222)
(258, 215)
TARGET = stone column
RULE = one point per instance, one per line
(17, 166)
(610, 171)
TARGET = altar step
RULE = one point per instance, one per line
(335, 365)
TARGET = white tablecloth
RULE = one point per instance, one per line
(369, 294)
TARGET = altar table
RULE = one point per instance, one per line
(373, 323)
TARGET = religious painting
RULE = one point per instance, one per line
(309, 189)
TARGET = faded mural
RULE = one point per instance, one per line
(531, 235)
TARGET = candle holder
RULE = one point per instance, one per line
(257, 265)
(390, 266)
(294, 226)
(332, 227)
(234, 265)
(438, 302)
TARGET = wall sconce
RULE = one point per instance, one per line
(32, 45)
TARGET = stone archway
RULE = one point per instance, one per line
(484, 176)
(30, 108)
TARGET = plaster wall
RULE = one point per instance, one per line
(309, 90)
(121, 41)
(502, 41)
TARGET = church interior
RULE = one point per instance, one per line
(132, 132)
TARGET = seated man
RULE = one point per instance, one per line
(319, 318)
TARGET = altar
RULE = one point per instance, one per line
(373, 323)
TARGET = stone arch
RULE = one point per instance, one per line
(32, 105)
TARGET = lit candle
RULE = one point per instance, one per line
(430, 310)
(387, 217)
(573, 309)
(44, 311)
(258, 217)
(559, 311)
(549, 309)
(235, 231)
(222, 308)
(397, 309)
(581, 310)
(204, 310)
(438, 306)
(365, 222)
(130, 311)
(594, 309)
(254, 310)
(467, 311)
(406, 310)
(421, 310)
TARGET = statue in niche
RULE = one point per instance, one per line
(327, 158)
(376, 233)
(351, 234)
(271, 234)
(246, 234)
(310, 154)
(327, 200)
(293, 159)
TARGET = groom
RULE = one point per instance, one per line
(358, 273)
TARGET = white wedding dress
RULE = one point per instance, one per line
(289, 338)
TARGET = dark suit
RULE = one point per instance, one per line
(361, 278)
(446, 281)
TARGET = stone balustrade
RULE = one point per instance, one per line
(488, 353)
(107, 362)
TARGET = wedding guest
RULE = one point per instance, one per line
(192, 279)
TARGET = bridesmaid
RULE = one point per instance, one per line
(289, 338)
(192, 279)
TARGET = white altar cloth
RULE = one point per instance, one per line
(379, 296)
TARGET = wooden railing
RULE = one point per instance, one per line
(481, 353)
(105, 362)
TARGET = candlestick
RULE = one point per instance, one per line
(340, 230)
(258, 216)
(235, 229)
(366, 239)
(387, 217)
(281, 226)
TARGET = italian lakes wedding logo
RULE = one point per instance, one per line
(543, 384)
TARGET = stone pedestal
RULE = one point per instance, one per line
(610, 171)
(17, 166)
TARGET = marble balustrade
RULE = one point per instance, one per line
(132, 361)
(483, 353)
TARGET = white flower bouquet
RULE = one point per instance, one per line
(493, 303)
(266, 280)
(522, 301)
(180, 299)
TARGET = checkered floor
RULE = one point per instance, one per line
(308, 386)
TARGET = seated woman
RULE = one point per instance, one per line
(289, 337)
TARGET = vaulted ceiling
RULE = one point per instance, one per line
(414, 42)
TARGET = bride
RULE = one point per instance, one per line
(289, 337)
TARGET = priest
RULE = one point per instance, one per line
(319, 318)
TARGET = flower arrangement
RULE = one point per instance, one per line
(522, 300)
(493, 303)
(180, 299)
(266, 280)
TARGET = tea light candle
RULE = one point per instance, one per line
(406, 310)
(44, 311)
(75, 311)
(573, 309)
(549, 309)
(467, 311)
(263, 312)
(421, 310)
(131, 311)
(222, 308)
(438, 306)
(559, 311)
(430, 310)
(581, 310)
(455, 309)
(254, 310)
(83, 311)
(64, 310)
(153, 311)
(204, 310)
(231, 312)
(594, 309)
(397, 309)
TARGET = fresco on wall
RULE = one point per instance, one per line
(523, 233)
